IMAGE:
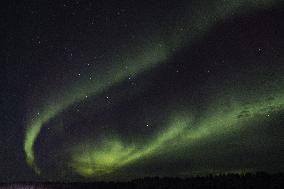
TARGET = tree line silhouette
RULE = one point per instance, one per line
(258, 180)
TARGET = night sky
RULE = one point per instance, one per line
(117, 90)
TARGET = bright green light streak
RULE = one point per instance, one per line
(181, 133)
(116, 75)
(114, 154)
(138, 62)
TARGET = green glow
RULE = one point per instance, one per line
(116, 75)
(142, 60)
(182, 133)
(235, 119)
(104, 160)
(114, 154)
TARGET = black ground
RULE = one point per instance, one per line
(232, 181)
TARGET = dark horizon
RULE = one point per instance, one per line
(258, 180)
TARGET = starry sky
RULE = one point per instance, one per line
(117, 90)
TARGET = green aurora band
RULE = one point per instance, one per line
(182, 132)
(116, 154)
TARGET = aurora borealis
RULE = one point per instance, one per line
(120, 90)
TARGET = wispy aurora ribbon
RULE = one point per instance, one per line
(151, 55)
